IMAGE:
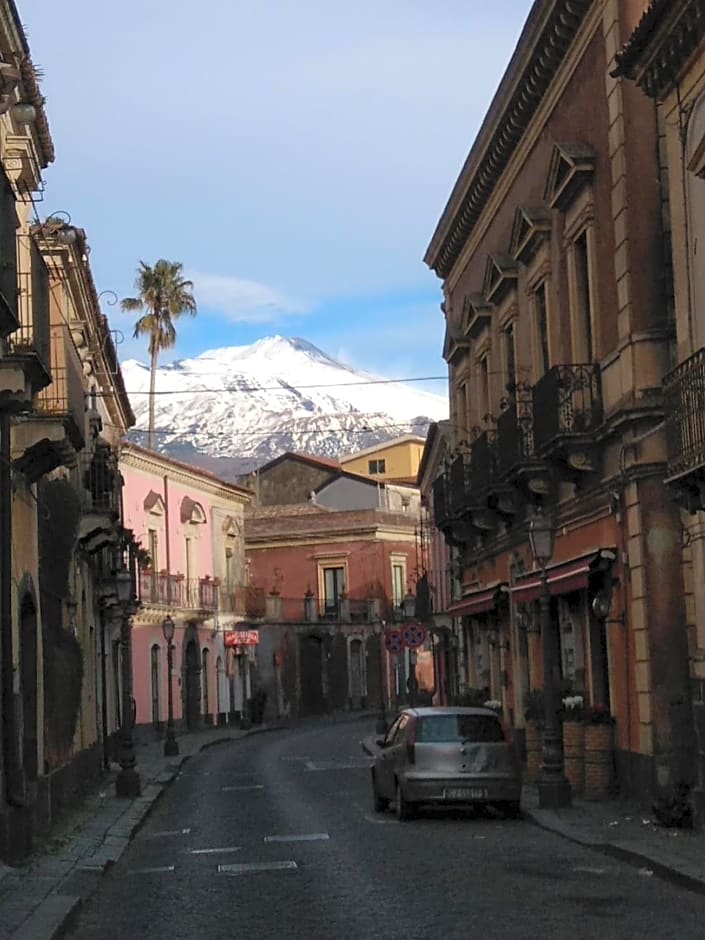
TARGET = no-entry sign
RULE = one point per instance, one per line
(414, 635)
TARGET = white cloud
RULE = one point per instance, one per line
(243, 301)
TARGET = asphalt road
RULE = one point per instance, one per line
(273, 836)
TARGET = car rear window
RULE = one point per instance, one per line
(475, 728)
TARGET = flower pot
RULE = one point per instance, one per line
(574, 754)
(598, 761)
(534, 745)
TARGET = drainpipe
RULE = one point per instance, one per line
(13, 788)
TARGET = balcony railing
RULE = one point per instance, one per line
(483, 465)
(684, 400)
(100, 482)
(515, 433)
(33, 335)
(65, 397)
(459, 484)
(567, 403)
(170, 590)
(441, 503)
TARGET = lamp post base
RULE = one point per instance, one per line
(554, 792)
(128, 783)
(171, 746)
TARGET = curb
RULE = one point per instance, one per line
(623, 854)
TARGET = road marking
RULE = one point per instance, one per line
(352, 763)
(589, 871)
(256, 866)
(227, 848)
(295, 758)
(248, 786)
(379, 820)
(306, 837)
(168, 832)
(151, 871)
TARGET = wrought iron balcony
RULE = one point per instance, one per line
(173, 590)
(99, 488)
(515, 434)
(65, 398)
(31, 342)
(441, 501)
(460, 482)
(684, 401)
(483, 466)
(9, 320)
(567, 408)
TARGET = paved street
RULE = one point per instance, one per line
(296, 805)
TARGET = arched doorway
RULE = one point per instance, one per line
(311, 659)
(193, 686)
(28, 678)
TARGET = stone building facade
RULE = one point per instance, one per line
(553, 254)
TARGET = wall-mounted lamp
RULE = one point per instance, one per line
(602, 604)
(24, 113)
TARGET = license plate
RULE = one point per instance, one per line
(465, 793)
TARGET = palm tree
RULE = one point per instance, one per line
(163, 294)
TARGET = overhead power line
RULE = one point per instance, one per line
(286, 387)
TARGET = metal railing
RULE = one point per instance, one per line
(684, 401)
(459, 484)
(441, 502)
(33, 334)
(515, 432)
(483, 462)
(173, 590)
(65, 396)
(567, 402)
(100, 481)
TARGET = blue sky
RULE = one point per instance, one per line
(294, 156)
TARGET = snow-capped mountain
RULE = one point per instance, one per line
(235, 408)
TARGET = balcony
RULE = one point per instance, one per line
(311, 609)
(173, 590)
(684, 403)
(567, 411)
(483, 474)
(517, 462)
(441, 501)
(31, 342)
(9, 319)
(99, 488)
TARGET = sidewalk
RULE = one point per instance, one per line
(621, 829)
(38, 898)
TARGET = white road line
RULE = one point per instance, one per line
(151, 871)
(256, 866)
(352, 763)
(168, 832)
(227, 848)
(249, 786)
(306, 837)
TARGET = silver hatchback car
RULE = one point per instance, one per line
(445, 756)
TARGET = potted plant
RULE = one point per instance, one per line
(494, 704)
(599, 733)
(574, 741)
(533, 714)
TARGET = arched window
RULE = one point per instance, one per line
(155, 671)
(205, 656)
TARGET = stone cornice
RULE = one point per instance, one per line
(547, 36)
(667, 35)
(158, 464)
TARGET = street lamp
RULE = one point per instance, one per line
(128, 779)
(171, 745)
(554, 789)
(408, 609)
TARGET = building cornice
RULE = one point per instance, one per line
(545, 40)
(153, 463)
(667, 35)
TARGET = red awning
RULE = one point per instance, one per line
(479, 601)
(562, 578)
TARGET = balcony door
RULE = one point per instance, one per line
(333, 587)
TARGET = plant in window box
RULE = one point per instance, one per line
(494, 704)
(574, 741)
(533, 713)
(599, 737)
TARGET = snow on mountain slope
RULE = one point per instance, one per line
(234, 408)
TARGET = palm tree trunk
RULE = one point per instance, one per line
(152, 388)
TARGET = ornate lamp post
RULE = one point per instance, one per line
(171, 745)
(554, 789)
(408, 608)
(128, 779)
(381, 726)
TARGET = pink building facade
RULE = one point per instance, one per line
(189, 525)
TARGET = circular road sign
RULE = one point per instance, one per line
(414, 635)
(394, 641)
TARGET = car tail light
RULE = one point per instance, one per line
(411, 741)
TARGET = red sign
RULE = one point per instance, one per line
(414, 635)
(241, 637)
(393, 641)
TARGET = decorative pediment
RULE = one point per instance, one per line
(477, 313)
(571, 168)
(454, 343)
(154, 503)
(230, 527)
(191, 511)
(501, 274)
(531, 227)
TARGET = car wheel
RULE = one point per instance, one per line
(379, 803)
(512, 809)
(405, 810)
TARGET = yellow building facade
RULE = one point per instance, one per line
(395, 461)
